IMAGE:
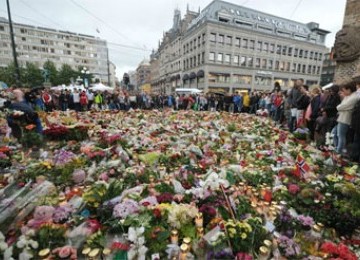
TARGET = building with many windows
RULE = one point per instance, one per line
(328, 70)
(143, 74)
(230, 47)
(38, 44)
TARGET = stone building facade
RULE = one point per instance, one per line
(228, 47)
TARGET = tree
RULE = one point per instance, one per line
(7, 74)
(53, 73)
(65, 75)
(32, 76)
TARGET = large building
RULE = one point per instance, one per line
(230, 47)
(38, 44)
(143, 74)
(328, 70)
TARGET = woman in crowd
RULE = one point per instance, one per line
(345, 109)
(313, 110)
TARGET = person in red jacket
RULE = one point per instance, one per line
(83, 101)
(279, 107)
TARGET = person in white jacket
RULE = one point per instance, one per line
(345, 109)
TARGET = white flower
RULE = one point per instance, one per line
(3, 246)
(25, 255)
(8, 253)
(134, 233)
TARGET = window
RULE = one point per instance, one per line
(309, 69)
(290, 50)
(237, 42)
(278, 49)
(315, 56)
(236, 59)
(282, 65)
(288, 64)
(250, 61)
(299, 68)
(244, 43)
(318, 70)
(259, 46)
(243, 61)
(311, 55)
(252, 44)
(228, 40)
(296, 52)
(2, 28)
(221, 38)
(266, 46)
(301, 52)
(242, 79)
(212, 56)
(320, 56)
(270, 64)
(263, 63)
(227, 58)
(277, 65)
(257, 63)
(23, 39)
(213, 37)
(306, 54)
(303, 69)
(23, 30)
(293, 67)
(313, 69)
(220, 57)
(284, 48)
(272, 48)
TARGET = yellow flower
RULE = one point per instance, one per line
(243, 236)
(232, 232)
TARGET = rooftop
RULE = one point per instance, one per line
(224, 12)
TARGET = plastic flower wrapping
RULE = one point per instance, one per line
(175, 185)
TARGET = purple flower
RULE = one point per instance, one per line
(122, 210)
(306, 220)
(62, 213)
(79, 176)
(63, 157)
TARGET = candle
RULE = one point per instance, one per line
(174, 237)
(187, 241)
(200, 232)
(183, 251)
(264, 253)
(199, 220)
(44, 253)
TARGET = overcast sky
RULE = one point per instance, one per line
(141, 23)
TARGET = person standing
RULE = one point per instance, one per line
(83, 101)
(76, 100)
(98, 100)
(345, 110)
(292, 98)
(90, 98)
(246, 102)
(314, 110)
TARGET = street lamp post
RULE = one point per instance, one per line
(84, 73)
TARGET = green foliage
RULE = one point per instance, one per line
(31, 139)
(163, 188)
(65, 74)
(32, 76)
(231, 127)
(51, 236)
(53, 73)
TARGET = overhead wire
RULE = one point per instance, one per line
(99, 19)
(296, 7)
(39, 13)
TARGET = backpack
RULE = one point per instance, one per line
(355, 118)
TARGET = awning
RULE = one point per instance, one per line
(186, 77)
(200, 74)
(192, 75)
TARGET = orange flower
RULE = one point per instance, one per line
(30, 127)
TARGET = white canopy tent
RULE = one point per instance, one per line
(101, 87)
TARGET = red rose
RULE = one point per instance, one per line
(157, 213)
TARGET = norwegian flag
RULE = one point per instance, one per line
(301, 166)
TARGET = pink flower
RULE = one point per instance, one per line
(65, 252)
(293, 188)
(104, 177)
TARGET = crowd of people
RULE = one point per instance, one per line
(335, 110)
